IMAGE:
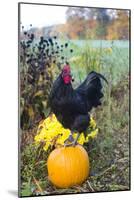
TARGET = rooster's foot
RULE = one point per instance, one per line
(69, 140)
(73, 144)
(67, 144)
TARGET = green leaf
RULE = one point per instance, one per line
(26, 190)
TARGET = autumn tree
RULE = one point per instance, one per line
(103, 20)
(87, 22)
(118, 29)
(76, 22)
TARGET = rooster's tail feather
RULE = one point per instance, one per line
(92, 89)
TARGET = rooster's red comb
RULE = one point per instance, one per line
(66, 68)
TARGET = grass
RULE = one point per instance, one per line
(109, 152)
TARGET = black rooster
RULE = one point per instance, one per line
(71, 106)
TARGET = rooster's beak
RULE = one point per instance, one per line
(72, 78)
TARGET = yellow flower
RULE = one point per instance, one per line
(46, 146)
(92, 123)
(81, 139)
(52, 133)
(92, 135)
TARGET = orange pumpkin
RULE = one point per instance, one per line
(68, 166)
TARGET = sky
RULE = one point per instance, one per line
(42, 15)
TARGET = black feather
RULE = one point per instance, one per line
(91, 89)
(71, 106)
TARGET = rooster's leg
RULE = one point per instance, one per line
(69, 141)
(76, 139)
(73, 141)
